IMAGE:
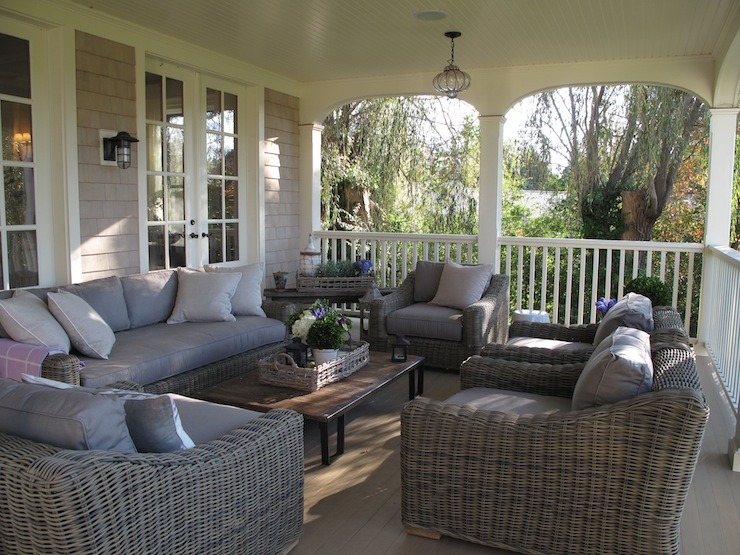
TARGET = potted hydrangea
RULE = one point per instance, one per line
(322, 327)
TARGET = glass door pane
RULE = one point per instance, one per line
(166, 177)
(18, 221)
(222, 166)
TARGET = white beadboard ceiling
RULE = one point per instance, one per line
(320, 40)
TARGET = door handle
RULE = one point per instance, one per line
(193, 235)
(204, 234)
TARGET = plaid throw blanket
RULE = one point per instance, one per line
(20, 358)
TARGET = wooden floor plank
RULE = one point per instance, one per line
(353, 506)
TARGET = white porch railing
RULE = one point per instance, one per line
(720, 328)
(567, 294)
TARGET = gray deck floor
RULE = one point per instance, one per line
(354, 505)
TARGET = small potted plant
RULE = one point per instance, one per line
(603, 306)
(322, 327)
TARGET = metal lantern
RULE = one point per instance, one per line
(298, 350)
(399, 349)
(452, 80)
(310, 259)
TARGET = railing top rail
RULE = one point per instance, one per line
(730, 256)
(602, 244)
(376, 236)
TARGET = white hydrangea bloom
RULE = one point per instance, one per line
(303, 324)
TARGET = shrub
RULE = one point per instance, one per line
(654, 289)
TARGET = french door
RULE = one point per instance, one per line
(194, 168)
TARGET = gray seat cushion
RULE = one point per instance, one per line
(151, 353)
(204, 421)
(510, 402)
(426, 320)
(554, 344)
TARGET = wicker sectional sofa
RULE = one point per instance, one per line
(175, 358)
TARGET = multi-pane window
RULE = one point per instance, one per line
(18, 222)
(222, 168)
(165, 164)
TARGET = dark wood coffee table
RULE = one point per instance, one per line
(329, 403)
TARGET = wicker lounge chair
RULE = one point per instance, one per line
(668, 329)
(611, 479)
(242, 493)
(483, 322)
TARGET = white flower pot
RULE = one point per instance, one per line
(320, 356)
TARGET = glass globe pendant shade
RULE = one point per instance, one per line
(451, 81)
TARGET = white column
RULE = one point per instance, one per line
(490, 188)
(310, 179)
(722, 124)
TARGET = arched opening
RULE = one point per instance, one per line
(401, 164)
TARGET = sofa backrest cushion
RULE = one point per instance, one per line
(149, 297)
(620, 368)
(247, 299)
(87, 330)
(105, 295)
(632, 311)
(426, 280)
(64, 418)
(203, 297)
(27, 319)
(460, 286)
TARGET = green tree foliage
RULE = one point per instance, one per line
(402, 164)
(622, 149)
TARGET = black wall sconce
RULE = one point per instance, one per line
(118, 149)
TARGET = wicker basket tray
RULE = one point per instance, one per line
(310, 283)
(281, 369)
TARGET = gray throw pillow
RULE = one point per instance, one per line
(105, 295)
(66, 418)
(460, 286)
(203, 297)
(620, 368)
(27, 319)
(632, 311)
(247, 300)
(87, 331)
(426, 280)
(150, 297)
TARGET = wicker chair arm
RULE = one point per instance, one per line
(62, 368)
(380, 308)
(541, 355)
(543, 379)
(582, 333)
(667, 317)
(243, 490)
(279, 310)
(486, 321)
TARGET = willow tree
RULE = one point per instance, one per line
(623, 148)
(407, 164)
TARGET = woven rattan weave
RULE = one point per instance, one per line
(611, 479)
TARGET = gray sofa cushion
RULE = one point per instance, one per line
(62, 417)
(619, 368)
(106, 297)
(247, 299)
(151, 353)
(27, 319)
(426, 280)
(204, 421)
(510, 402)
(633, 311)
(553, 344)
(150, 297)
(460, 286)
(426, 320)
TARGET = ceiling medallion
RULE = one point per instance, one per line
(452, 80)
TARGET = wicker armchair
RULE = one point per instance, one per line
(610, 479)
(483, 322)
(668, 329)
(242, 493)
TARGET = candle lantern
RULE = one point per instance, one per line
(298, 350)
(310, 259)
(399, 349)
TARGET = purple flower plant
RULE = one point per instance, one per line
(603, 306)
(364, 266)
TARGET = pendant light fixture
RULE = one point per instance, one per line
(452, 80)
